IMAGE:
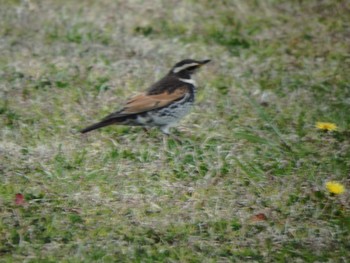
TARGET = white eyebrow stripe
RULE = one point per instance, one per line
(189, 81)
(178, 69)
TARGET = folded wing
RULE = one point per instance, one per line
(139, 104)
(144, 102)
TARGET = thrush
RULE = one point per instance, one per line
(163, 104)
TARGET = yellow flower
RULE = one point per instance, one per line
(326, 126)
(335, 187)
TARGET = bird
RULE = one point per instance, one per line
(162, 105)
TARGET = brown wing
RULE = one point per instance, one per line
(143, 102)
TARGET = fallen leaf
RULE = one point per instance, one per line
(19, 199)
(259, 217)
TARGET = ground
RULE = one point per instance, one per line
(246, 179)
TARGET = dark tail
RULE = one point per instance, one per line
(99, 125)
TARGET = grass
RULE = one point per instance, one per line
(247, 181)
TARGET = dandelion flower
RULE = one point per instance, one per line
(335, 187)
(326, 126)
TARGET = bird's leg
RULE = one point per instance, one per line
(166, 132)
(173, 137)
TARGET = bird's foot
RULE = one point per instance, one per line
(168, 137)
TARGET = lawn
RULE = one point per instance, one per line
(246, 179)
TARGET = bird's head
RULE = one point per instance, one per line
(187, 67)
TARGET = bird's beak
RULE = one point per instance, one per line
(205, 61)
